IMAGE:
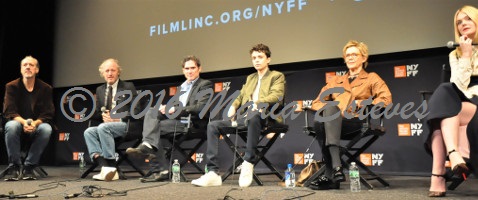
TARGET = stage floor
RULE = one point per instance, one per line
(64, 180)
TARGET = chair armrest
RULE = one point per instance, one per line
(424, 94)
(380, 126)
(307, 128)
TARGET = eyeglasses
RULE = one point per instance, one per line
(353, 55)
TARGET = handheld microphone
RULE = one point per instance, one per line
(70, 196)
(451, 44)
(29, 122)
(103, 109)
(26, 196)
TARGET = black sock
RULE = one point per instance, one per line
(101, 161)
(110, 162)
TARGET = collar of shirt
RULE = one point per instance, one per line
(186, 87)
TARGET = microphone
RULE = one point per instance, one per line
(26, 196)
(451, 44)
(70, 196)
(103, 109)
(29, 122)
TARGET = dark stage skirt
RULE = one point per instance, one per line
(446, 102)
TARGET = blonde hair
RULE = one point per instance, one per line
(362, 47)
(102, 66)
(471, 12)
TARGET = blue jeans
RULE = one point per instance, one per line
(101, 139)
(39, 138)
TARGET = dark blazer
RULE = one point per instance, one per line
(134, 124)
(194, 106)
(41, 103)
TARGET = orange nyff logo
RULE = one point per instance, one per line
(299, 158)
(329, 76)
(63, 137)
(172, 90)
(404, 130)
(366, 159)
(77, 155)
(400, 71)
(198, 157)
(218, 87)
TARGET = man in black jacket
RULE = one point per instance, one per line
(157, 123)
(100, 139)
(29, 109)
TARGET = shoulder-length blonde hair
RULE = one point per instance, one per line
(471, 12)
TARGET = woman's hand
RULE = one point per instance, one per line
(466, 46)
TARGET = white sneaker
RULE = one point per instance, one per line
(245, 179)
(208, 179)
(107, 174)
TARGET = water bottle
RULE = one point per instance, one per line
(354, 178)
(176, 172)
(289, 176)
(82, 164)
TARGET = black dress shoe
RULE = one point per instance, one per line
(338, 175)
(324, 183)
(141, 150)
(156, 177)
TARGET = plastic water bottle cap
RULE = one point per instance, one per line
(289, 165)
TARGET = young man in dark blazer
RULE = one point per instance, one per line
(29, 109)
(156, 122)
(100, 139)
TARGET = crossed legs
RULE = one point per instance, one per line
(450, 139)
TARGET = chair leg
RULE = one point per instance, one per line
(40, 171)
(260, 157)
(374, 176)
(89, 170)
(3, 173)
(124, 157)
(231, 169)
(189, 155)
(315, 176)
(354, 158)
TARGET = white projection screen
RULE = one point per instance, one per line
(150, 37)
